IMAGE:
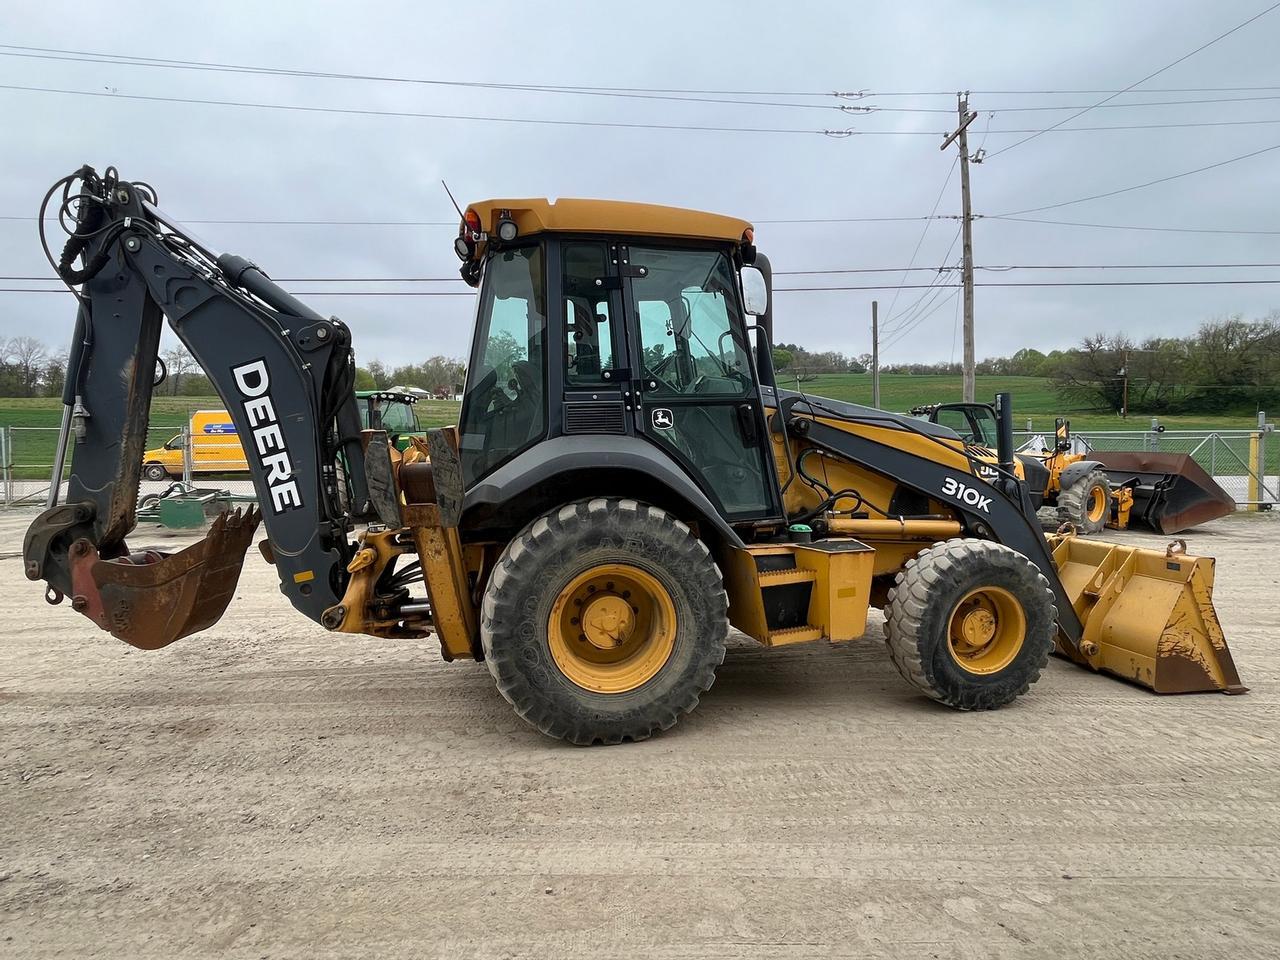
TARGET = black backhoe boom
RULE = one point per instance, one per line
(285, 374)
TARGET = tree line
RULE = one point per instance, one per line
(1229, 365)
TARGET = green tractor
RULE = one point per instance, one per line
(392, 411)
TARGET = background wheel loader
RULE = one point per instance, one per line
(627, 481)
(1167, 492)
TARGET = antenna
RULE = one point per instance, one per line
(451, 200)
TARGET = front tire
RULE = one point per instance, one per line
(1086, 504)
(604, 621)
(970, 623)
(155, 471)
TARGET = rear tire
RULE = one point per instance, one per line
(970, 623)
(155, 471)
(1086, 504)
(604, 621)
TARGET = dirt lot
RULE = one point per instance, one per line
(267, 789)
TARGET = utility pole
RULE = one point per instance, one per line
(1124, 402)
(875, 354)
(961, 136)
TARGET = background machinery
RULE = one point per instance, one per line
(627, 481)
(1167, 492)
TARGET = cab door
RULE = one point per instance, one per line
(691, 375)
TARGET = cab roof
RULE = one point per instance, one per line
(533, 216)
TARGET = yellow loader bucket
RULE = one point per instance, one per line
(1148, 615)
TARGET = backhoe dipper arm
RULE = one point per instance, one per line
(285, 374)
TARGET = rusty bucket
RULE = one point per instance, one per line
(151, 599)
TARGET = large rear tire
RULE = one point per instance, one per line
(970, 623)
(1086, 504)
(604, 621)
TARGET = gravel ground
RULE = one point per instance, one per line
(267, 789)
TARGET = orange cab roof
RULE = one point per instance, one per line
(608, 216)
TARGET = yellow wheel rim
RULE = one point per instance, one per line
(1097, 504)
(612, 628)
(986, 630)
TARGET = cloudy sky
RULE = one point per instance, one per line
(219, 162)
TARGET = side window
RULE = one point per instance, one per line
(685, 301)
(503, 410)
(588, 326)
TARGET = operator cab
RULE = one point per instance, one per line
(616, 319)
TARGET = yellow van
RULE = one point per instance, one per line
(215, 448)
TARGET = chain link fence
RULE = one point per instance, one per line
(1245, 463)
(209, 458)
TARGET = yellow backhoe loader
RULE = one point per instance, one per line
(1167, 492)
(627, 481)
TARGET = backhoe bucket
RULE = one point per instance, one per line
(1148, 615)
(151, 599)
(1171, 492)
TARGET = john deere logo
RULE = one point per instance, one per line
(662, 419)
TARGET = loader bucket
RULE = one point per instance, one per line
(1148, 615)
(1171, 492)
(151, 599)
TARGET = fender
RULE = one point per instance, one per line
(1076, 471)
(559, 456)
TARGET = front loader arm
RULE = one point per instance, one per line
(285, 374)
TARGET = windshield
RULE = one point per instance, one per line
(502, 408)
(398, 417)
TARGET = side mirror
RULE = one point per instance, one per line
(755, 293)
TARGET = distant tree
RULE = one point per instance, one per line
(178, 364)
(55, 374)
(378, 373)
(782, 358)
(28, 357)
(365, 379)
(197, 384)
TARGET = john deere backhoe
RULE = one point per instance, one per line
(627, 481)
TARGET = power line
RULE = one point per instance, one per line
(1167, 66)
(91, 56)
(826, 289)
(934, 308)
(1140, 186)
(124, 61)
(1121, 226)
(205, 65)
(888, 314)
(454, 224)
(1044, 283)
(541, 121)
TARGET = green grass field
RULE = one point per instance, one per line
(1033, 398)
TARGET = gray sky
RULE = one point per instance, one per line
(217, 162)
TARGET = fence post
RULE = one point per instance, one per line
(186, 452)
(4, 459)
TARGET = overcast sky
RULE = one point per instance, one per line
(224, 162)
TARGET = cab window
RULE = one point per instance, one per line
(958, 421)
(502, 407)
(685, 300)
(588, 325)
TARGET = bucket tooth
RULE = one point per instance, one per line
(151, 599)
(1148, 616)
